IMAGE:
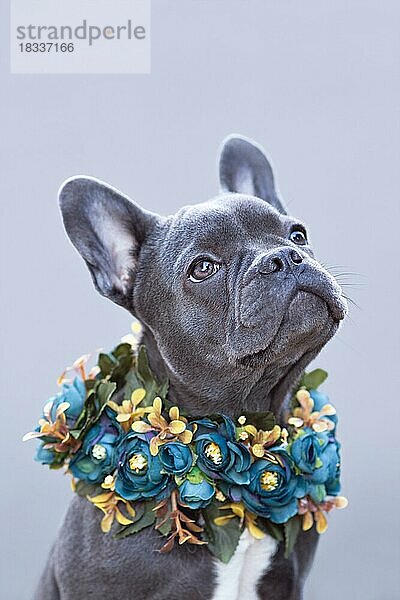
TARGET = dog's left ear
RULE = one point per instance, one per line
(245, 169)
(108, 231)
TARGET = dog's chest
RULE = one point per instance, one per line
(239, 578)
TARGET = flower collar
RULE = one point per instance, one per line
(196, 480)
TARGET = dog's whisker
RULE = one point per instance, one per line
(351, 301)
(344, 275)
(345, 342)
(347, 267)
(343, 269)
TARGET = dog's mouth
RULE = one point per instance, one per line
(335, 303)
(286, 361)
(311, 319)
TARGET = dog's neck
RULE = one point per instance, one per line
(263, 388)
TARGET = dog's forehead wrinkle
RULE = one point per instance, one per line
(230, 205)
(225, 223)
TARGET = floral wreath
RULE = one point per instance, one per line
(200, 480)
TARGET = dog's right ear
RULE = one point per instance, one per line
(245, 169)
(108, 231)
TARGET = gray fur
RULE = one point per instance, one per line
(238, 340)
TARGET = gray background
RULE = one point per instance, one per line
(318, 84)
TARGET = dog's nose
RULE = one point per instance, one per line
(279, 261)
(295, 257)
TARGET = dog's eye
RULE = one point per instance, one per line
(203, 269)
(299, 237)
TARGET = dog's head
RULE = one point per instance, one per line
(229, 290)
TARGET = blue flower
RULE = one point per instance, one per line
(196, 492)
(317, 457)
(74, 393)
(307, 451)
(274, 487)
(139, 473)
(319, 401)
(97, 457)
(332, 485)
(219, 454)
(176, 458)
(44, 455)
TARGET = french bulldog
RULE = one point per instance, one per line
(234, 306)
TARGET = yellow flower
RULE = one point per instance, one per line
(213, 452)
(130, 411)
(304, 416)
(57, 429)
(175, 430)
(269, 481)
(108, 504)
(238, 510)
(261, 440)
(109, 483)
(250, 520)
(220, 496)
(311, 511)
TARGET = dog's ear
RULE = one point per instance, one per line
(108, 230)
(244, 169)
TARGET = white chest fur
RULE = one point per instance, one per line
(238, 579)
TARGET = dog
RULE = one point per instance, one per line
(234, 306)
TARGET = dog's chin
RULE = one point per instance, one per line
(305, 327)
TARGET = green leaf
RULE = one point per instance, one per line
(195, 475)
(90, 384)
(292, 529)
(179, 479)
(163, 393)
(222, 540)
(132, 383)
(318, 493)
(83, 488)
(139, 510)
(146, 519)
(314, 379)
(59, 459)
(104, 391)
(165, 528)
(117, 364)
(122, 351)
(264, 420)
(144, 378)
(83, 416)
(143, 367)
(124, 356)
(273, 529)
(48, 439)
(95, 404)
(106, 364)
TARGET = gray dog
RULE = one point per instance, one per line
(234, 306)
